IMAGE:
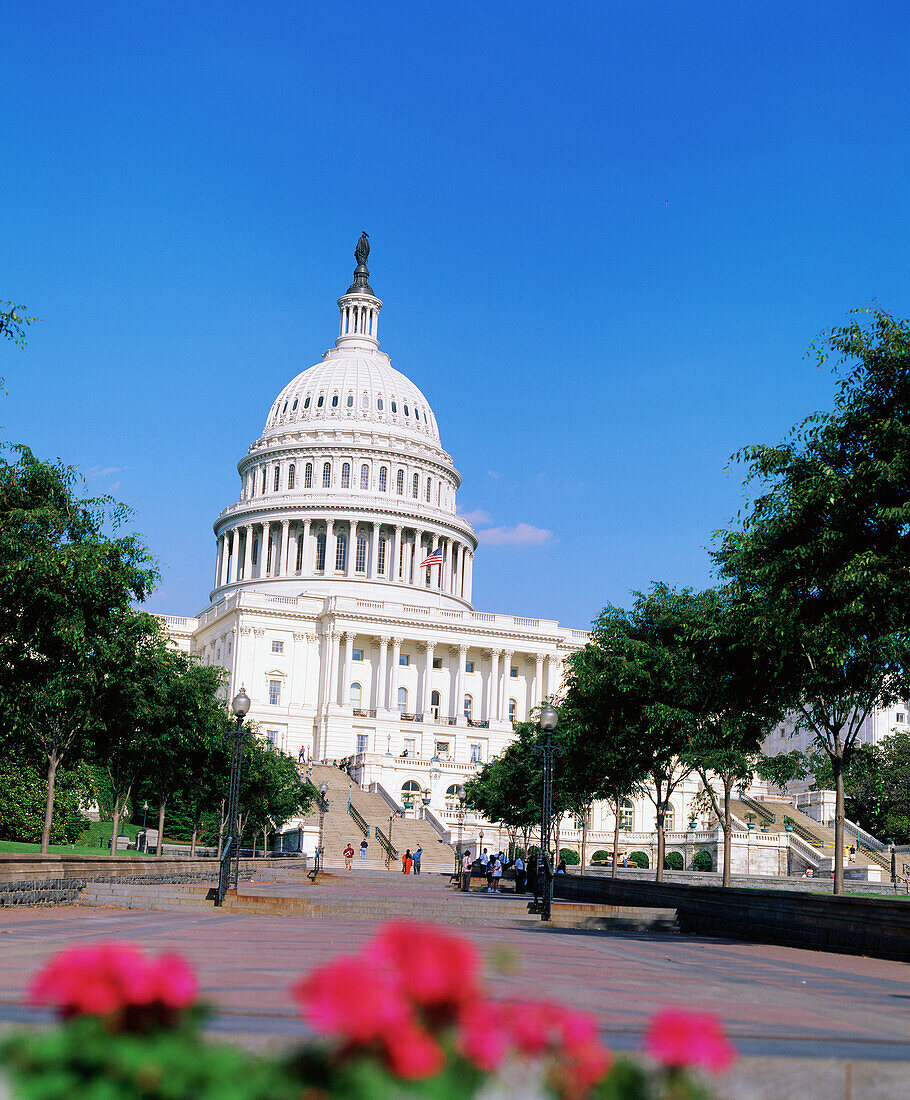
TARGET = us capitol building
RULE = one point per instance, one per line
(347, 644)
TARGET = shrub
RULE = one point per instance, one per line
(702, 861)
(600, 856)
(673, 861)
(639, 859)
(570, 858)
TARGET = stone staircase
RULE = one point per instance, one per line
(341, 828)
(770, 818)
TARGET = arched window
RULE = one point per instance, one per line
(410, 792)
(356, 694)
(627, 815)
(434, 703)
(406, 413)
(379, 403)
(294, 406)
(383, 479)
(300, 551)
(320, 552)
(394, 406)
(276, 484)
(327, 475)
(399, 483)
(429, 488)
(380, 559)
(341, 552)
(452, 801)
(360, 561)
(350, 401)
(308, 476)
(364, 476)
(265, 484)
(306, 402)
(364, 402)
(416, 412)
(416, 486)
(292, 474)
(669, 820)
(346, 475)
(334, 400)
(468, 707)
(321, 401)
(513, 710)
(402, 700)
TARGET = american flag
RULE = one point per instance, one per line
(434, 559)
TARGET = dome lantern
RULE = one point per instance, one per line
(359, 327)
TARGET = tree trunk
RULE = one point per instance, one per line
(584, 838)
(265, 843)
(52, 762)
(193, 841)
(837, 766)
(615, 839)
(160, 847)
(727, 835)
(115, 824)
(660, 846)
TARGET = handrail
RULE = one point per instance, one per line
(867, 840)
(391, 852)
(358, 819)
(758, 808)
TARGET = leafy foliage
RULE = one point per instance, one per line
(702, 861)
(673, 861)
(639, 859)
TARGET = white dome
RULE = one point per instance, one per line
(353, 385)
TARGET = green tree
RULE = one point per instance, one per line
(65, 586)
(823, 555)
(271, 790)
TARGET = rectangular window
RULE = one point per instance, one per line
(265, 475)
(360, 559)
(513, 671)
(272, 737)
(341, 552)
(274, 692)
(410, 746)
(437, 662)
(255, 551)
(380, 564)
(277, 647)
(899, 716)
(357, 655)
(363, 741)
(469, 666)
(442, 749)
(476, 756)
(404, 659)
(277, 478)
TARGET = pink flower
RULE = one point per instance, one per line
(484, 1036)
(530, 1025)
(413, 1054)
(112, 977)
(354, 1000)
(436, 970)
(679, 1038)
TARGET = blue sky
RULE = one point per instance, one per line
(604, 234)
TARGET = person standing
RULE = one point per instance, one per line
(519, 866)
(418, 852)
(496, 875)
(348, 856)
(466, 866)
(363, 848)
(406, 862)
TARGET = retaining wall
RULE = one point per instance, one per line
(855, 926)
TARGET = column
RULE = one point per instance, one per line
(338, 687)
(415, 547)
(552, 675)
(264, 548)
(374, 553)
(393, 678)
(459, 681)
(397, 560)
(538, 680)
(352, 537)
(305, 536)
(285, 548)
(233, 565)
(504, 683)
(493, 689)
(217, 561)
(329, 649)
(381, 694)
(348, 659)
(223, 560)
(427, 677)
(248, 553)
(444, 546)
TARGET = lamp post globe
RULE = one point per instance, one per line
(548, 719)
(240, 704)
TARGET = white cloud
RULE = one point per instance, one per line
(493, 474)
(475, 517)
(103, 471)
(523, 534)
(114, 487)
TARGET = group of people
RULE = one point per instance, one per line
(349, 853)
(410, 861)
(492, 867)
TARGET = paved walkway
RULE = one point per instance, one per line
(776, 1001)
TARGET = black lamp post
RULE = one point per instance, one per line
(459, 814)
(230, 856)
(549, 752)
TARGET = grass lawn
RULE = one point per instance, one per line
(95, 841)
